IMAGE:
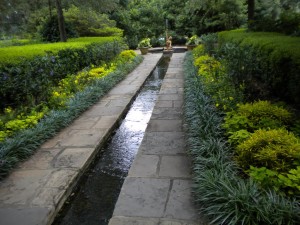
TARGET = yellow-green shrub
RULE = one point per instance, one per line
(73, 83)
(275, 149)
(253, 116)
(285, 183)
(207, 65)
(217, 83)
(21, 122)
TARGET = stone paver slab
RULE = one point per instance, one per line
(125, 89)
(105, 122)
(73, 157)
(61, 179)
(22, 185)
(170, 97)
(144, 166)
(184, 222)
(142, 197)
(175, 166)
(97, 111)
(41, 160)
(164, 104)
(180, 205)
(83, 138)
(168, 143)
(166, 113)
(23, 216)
(133, 221)
(165, 125)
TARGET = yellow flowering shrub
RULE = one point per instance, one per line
(21, 122)
(216, 82)
(73, 83)
(207, 65)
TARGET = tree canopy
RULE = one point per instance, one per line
(150, 18)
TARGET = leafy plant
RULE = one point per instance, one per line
(217, 82)
(193, 40)
(286, 183)
(257, 115)
(144, 43)
(277, 150)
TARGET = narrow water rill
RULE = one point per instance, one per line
(96, 195)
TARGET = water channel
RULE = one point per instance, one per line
(95, 197)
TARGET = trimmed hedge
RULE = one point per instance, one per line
(268, 63)
(15, 54)
(29, 82)
(223, 196)
(23, 144)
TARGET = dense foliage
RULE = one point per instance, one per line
(29, 82)
(268, 63)
(222, 194)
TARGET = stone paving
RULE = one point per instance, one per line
(157, 190)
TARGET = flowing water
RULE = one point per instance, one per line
(97, 193)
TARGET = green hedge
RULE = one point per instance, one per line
(268, 63)
(15, 54)
(28, 82)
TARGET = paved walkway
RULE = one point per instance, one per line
(157, 190)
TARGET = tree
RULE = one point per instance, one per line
(251, 8)
(61, 21)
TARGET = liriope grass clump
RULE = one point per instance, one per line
(221, 193)
(24, 143)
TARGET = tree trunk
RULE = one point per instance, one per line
(251, 8)
(50, 8)
(61, 21)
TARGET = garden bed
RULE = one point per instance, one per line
(225, 192)
(73, 94)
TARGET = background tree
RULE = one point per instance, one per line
(61, 21)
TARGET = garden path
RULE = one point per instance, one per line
(157, 189)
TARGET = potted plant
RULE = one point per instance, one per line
(192, 42)
(144, 45)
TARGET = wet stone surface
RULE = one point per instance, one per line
(95, 199)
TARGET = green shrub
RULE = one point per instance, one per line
(269, 63)
(253, 116)
(286, 183)
(276, 150)
(217, 82)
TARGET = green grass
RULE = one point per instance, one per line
(15, 54)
